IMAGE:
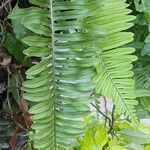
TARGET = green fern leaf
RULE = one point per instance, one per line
(60, 86)
(142, 78)
(114, 75)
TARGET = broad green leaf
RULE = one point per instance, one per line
(113, 142)
(16, 48)
(147, 147)
(123, 124)
(101, 137)
(87, 142)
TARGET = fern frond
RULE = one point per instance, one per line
(114, 75)
(60, 85)
(142, 93)
(145, 101)
(142, 78)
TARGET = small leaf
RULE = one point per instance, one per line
(146, 49)
(147, 40)
(142, 5)
(113, 142)
(147, 147)
(88, 142)
(138, 5)
(101, 137)
(123, 124)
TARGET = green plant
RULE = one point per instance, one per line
(84, 49)
(126, 136)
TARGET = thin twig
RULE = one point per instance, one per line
(97, 106)
(105, 105)
(4, 4)
(113, 115)
(8, 85)
(109, 120)
(20, 126)
(111, 130)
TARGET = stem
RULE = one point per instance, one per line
(109, 120)
(53, 62)
(111, 130)
(105, 105)
(8, 85)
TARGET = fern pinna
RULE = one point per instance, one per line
(71, 37)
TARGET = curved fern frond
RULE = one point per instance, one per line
(142, 78)
(114, 75)
(60, 85)
(145, 101)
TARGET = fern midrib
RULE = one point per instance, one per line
(53, 67)
(109, 76)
